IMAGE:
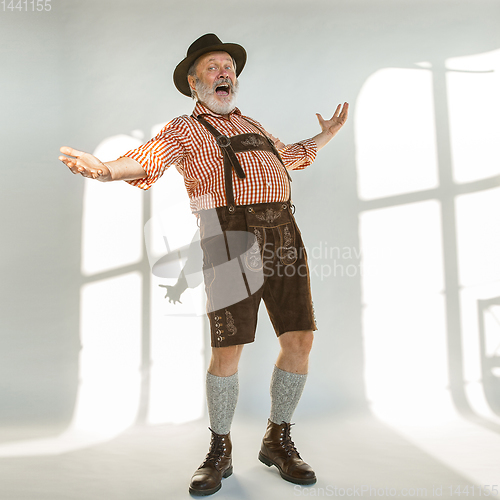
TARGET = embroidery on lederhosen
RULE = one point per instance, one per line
(314, 314)
(269, 216)
(231, 328)
(253, 141)
(288, 252)
(253, 258)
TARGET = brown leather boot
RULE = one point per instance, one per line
(217, 464)
(278, 449)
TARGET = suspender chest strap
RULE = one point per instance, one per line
(238, 144)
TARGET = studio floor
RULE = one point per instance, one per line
(352, 456)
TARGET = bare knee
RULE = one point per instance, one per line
(298, 343)
(295, 349)
(224, 361)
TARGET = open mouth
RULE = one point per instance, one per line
(222, 90)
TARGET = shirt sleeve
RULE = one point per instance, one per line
(170, 147)
(299, 155)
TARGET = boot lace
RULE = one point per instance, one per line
(286, 440)
(216, 451)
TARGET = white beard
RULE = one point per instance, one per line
(212, 101)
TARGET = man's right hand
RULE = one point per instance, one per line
(85, 164)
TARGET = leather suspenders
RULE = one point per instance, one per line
(238, 144)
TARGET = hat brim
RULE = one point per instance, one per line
(237, 52)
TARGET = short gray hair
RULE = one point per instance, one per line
(192, 68)
(192, 72)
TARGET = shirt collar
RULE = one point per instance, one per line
(199, 109)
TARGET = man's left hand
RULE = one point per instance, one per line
(329, 128)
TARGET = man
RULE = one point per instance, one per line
(237, 182)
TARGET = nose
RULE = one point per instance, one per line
(223, 73)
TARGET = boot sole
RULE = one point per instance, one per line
(286, 477)
(211, 491)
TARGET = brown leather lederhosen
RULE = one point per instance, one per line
(288, 299)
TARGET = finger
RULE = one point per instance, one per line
(71, 165)
(343, 115)
(75, 166)
(81, 168)
(90, 173)
(70, 151)
(337, 112)
(67, 161)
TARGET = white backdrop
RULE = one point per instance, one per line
(399, 212)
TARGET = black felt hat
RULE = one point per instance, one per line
(204, 44)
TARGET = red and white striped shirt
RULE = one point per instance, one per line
(187, 144)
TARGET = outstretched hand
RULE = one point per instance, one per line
(336, 122)
(85, 164)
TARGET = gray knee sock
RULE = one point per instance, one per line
(286, 389)
(222, 395)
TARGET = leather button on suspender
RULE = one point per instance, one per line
(223, 141)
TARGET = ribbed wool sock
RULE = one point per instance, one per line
(286, 389)
(222, 395)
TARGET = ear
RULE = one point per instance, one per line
(192, 82)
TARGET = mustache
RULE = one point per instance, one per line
(202, 88)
